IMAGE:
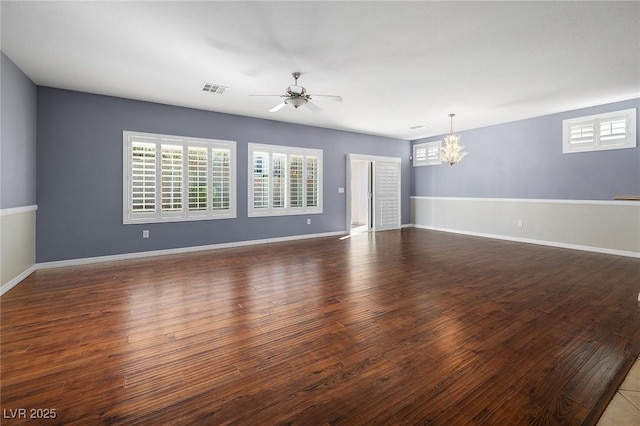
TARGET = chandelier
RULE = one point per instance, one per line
(452, 152)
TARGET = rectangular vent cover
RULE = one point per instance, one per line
(214, 88)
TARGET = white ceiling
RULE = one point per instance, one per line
(396, 64)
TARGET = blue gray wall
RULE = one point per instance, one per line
(80, 175)
(524, 159)
(18, 135)
(79, 168)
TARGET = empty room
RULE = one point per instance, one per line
(320, 212)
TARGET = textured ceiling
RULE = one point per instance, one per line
(396, 64)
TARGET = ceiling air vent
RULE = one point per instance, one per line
(214, 88)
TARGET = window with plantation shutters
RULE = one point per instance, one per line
(284, 180)
(613, 130)
(427, 154)
(172, 178)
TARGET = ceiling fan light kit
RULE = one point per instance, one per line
(295, 101)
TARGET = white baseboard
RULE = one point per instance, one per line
(532, 241)
(89, 260)
(98, 259)
(136, 255)
(533, 200)
(15, 281)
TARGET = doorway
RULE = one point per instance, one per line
(373, 199)
(361, 209)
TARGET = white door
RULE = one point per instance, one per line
(386, 195)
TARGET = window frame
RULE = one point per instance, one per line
(286, 153)
(597, 142)
(130, 138)
(427, 161)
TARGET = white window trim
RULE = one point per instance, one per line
(185, 215)
(628, 142)
(288, 151)
(427, 161)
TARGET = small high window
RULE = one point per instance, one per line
(427, 154)
(612, 130)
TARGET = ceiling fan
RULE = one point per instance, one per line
(297, 96)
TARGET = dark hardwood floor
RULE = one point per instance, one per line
(398, 327)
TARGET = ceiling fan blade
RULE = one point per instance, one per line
(313, 107)
(280, 96)
(278, 107)
(330, 97)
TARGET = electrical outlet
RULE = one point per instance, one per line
(520, 224)
(309, 221)
(145, 233)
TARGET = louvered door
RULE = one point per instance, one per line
(386, 195)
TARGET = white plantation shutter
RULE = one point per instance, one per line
(420, 153)
(433, 152)
(279, 181)
(171, 180)
(311, 174)
(427, 154)
(260, 181)
(143, 177)
(614, 130)
(197, 166)
(221, 179)
(168, 178)
(296, 181)
(284, 180)
(582, 134)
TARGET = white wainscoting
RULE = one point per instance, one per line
(611, 227)
(17, 245)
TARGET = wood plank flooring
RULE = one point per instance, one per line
(397, 327)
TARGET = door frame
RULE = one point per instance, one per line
(373, 159)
